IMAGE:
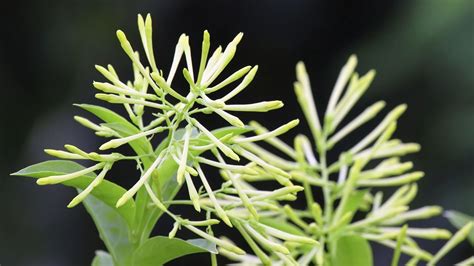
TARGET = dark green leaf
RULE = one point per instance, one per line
(104, 114)
(113, 230)
(160, 250)
(102, 258)
(354, 202)
(106, 191)
(458, 220)
(352, 250)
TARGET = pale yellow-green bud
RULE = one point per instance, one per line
(245, 82)
(87, 123)
(174, 230)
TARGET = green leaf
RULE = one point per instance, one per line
(160, 250)
(141, 146)
(113, 230)
(354, 202)
(105, 114)
(106, 191)
(458, 220)
(352, 250)
(102, 258)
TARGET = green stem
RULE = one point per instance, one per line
(328, 208)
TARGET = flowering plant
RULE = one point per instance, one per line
(277, 233)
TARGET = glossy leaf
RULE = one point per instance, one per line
(458, 220)
(354, 203)
(160, 250)
(113, 230)
(105, 114)
(352, 250)
(106, 191)
(102, 258)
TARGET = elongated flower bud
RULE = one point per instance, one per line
(226, 150)
(225, 244)
(392, 181)
(421, 213)
(264, 241)
(364, 117)
(356, 89)
(212, 197)
(55, 179)
(79, 198)
(391, 117)
(193, 195)
(119, 142)
(112, 98)
(341, 82)
(143, 179)
(222, 62)
(87, 123)
(453, 242)
(166, 87)
(306, 101)
(245, 82)
(287, 236)
(173, 231)
(275, 142)
(64, 154)
(184, 155)
(256, 159)
(254, 107)
(109, 88)
(235, 76)
(204, 53)
(378, 218)
(201, 223)
(426, 233)
(232, 119)
(278, 131)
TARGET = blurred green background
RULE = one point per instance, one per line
(423, 52)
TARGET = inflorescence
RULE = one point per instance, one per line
(236, 202)
(276, 232)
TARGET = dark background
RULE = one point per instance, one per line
(422, 51)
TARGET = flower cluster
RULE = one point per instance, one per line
(350, 184)
(185, 140)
